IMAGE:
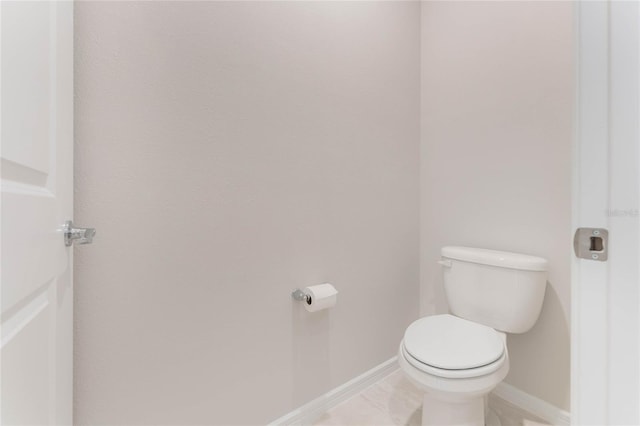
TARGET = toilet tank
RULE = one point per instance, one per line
(499, 289)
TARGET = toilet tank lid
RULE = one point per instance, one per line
(502, 259)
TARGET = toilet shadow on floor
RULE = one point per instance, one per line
(415, 419)
(404, 401)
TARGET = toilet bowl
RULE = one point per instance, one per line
(454, 395)
(457, 359)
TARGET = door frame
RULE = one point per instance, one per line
(605, 320)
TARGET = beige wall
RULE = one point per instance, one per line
(227, 153)
(496, 139)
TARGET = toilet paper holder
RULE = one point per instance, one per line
(301, 296)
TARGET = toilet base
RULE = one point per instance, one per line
(469, 412)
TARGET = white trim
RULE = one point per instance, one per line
(638, 188)
(590, 193)
(312, 411)
(532, 405)
(605, 312)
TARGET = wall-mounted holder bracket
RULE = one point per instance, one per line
(301, 296)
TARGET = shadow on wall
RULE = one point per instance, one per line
(552, 329)
(310, 353)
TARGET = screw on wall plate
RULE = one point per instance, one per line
(594, 256)
(596, 232)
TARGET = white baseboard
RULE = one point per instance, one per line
(533, 405)
(312, 411)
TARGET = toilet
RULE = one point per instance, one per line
(456, 359)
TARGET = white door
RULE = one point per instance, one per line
(36, 295)
(606, 295)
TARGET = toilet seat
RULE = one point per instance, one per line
(452, 347)
(454, 374)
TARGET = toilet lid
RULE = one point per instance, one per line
(452, 343)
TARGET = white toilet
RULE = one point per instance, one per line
(458, 359)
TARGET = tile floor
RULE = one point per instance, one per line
(395, 401)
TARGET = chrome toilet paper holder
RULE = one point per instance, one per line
(301, 296)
